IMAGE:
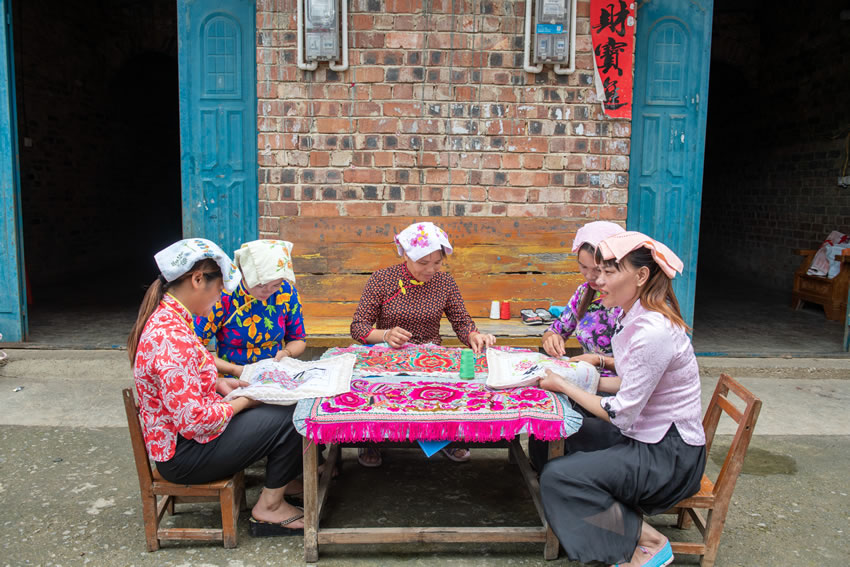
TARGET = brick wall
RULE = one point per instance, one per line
(778, 121)
(434, 117)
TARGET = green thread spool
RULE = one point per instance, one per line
(467, 365)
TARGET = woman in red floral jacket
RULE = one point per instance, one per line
(190, 431)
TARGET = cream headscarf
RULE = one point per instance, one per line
(617, 246)
(264, 261)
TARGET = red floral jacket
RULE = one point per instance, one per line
(175, 382)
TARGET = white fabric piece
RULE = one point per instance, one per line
(178, 258)
(824, 262)
(264, 261)
(284, 383)
(421, 239)
(507, 369)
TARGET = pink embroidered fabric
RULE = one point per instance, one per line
(175, 383)
(660, 379)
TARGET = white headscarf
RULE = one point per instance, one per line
(264, 261)
(595, 232)
(177, 259)
(421, 239)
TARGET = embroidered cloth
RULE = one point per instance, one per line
(516, 369)
(431, 406)
(285, 382)
(410, 359)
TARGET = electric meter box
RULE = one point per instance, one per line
(552, 31)
(321, 30)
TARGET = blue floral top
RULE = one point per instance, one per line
(247, 329)
(595, 329)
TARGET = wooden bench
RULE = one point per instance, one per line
(526, 261)
(830, 293)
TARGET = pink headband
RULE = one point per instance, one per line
(595, 232)
(617, 246)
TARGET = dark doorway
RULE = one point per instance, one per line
(98, 118)
(775, 143)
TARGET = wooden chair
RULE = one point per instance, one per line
(830, 293)
(230, 492)
(715, 496)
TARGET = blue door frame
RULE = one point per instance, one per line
(218, 120)
(672, 57)
(13, 301)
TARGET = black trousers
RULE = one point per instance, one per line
(596, 495)
(263, 431)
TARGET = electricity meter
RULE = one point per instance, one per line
(552, 31)
(321, 30)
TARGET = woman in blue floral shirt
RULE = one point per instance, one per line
(262, 317)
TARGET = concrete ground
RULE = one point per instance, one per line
(69, 490)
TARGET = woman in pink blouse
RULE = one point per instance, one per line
(643, 449)
(190, 431)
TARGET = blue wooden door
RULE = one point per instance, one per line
(218, 125)
(672, 53)
(13, 310)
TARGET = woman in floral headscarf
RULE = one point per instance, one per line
(404, 304)
(262, 317)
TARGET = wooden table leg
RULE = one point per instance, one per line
(552, 547)
(311, 501)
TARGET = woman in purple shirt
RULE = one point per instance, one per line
(643, 449)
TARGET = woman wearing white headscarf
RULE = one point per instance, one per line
(404, 304)
(262, 317)
(192, 434)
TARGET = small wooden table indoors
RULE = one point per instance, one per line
(418, 388)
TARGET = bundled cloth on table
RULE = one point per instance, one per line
(289, 380)
(824, 262)
(513, 369)
(410, 359)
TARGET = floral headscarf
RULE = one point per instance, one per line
(421, 239)
(264, 261)
(177, 259)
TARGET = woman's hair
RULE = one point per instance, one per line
(153, 296)
(657, 293)
(587, 298)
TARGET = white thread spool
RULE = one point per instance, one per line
(494, 310)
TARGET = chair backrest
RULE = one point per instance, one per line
(140, 453)
(746, 421)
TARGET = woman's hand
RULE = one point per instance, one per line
(226, 385)
(397, 337)
(281, 354)
(553, 344)
(552, 382)
(480, 341)
(589, 357)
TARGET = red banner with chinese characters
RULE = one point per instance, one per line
(612, 29)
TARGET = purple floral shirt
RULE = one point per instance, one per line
(595, 329)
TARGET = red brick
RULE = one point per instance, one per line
(310, 209)
(402, 109)
(405, 40)
(511, 161)
(377, 125)
(491, 161)
(532, 161)
(526, 210)
(383, 159)
(362, 22)
(437, 176)
(330, 125)
(364, 209)
(528, 179)
(320, 159)
(354, 175)
(508, 194)
(528, 144)
(369, 74)
(403, 159)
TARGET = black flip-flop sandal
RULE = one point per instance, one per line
(259, 528)
(295, 499)
(529, 317)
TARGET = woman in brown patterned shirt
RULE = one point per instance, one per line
(404, 304)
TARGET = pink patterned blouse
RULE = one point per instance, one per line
(175, 382)
(660, 379)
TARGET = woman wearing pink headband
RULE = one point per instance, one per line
(643, 449)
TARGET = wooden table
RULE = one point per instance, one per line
(316, 491)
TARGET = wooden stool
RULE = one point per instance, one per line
(830, 293)
(230, 492)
